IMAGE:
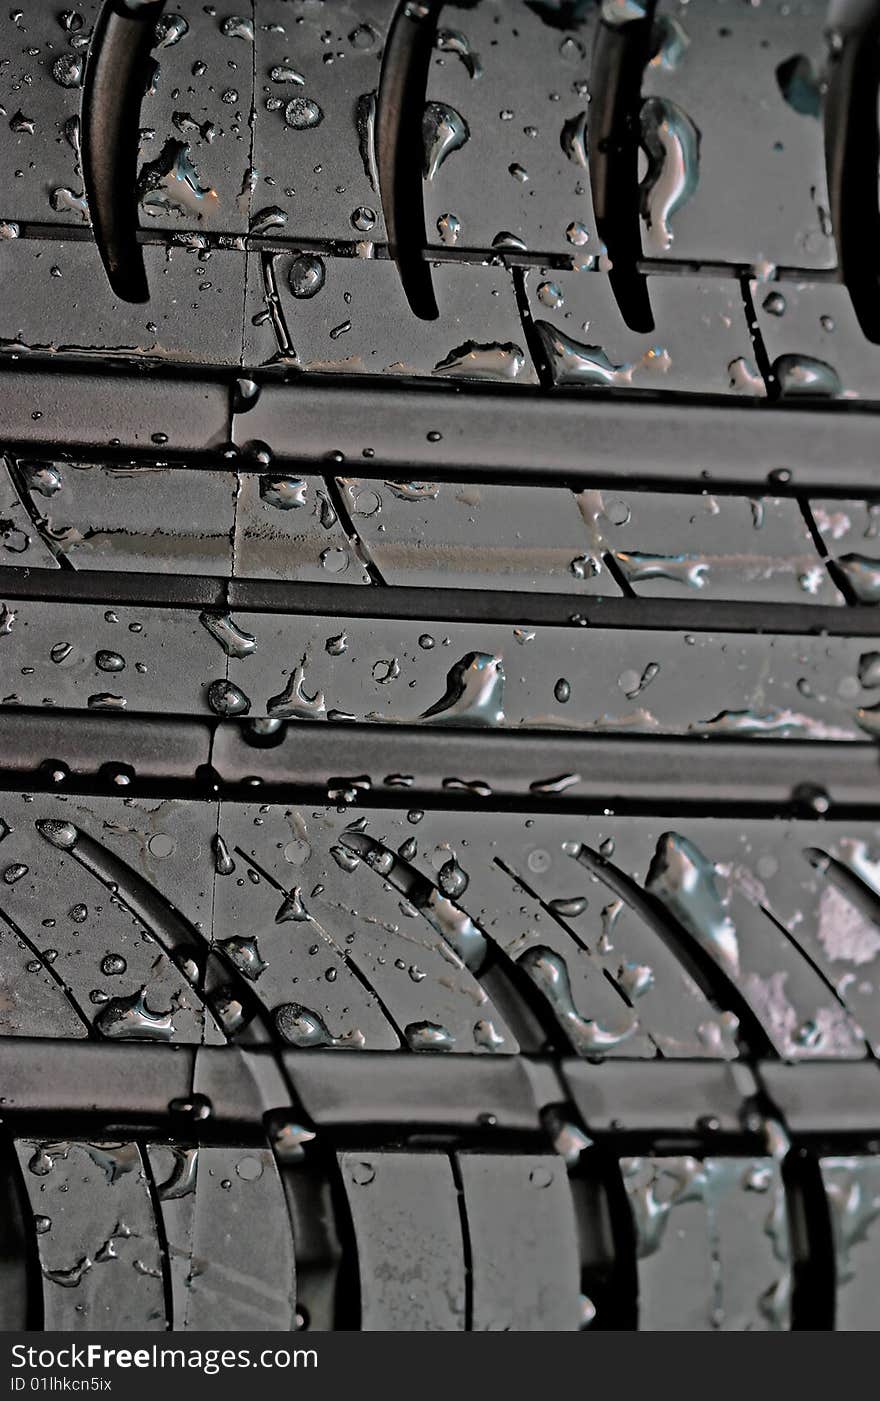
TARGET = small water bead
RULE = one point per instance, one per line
(449, 228)
(113, 964)
(550, 295)
(584, 567)
(306, 276)
(169, 30)
(302, 114)
(227, 700)
(283, 73)
(109, 661)
(577, 234)
(363, 218)
(562, 690)
(67, 70)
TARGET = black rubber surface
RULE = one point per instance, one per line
(439, 666)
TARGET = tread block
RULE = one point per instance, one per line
(317, 986)
(42, 67)
(229, 1238)
(408, 1235)
(56, 297)
(852, 1187)
(96, 919)
(699, 343)
(712, 1241)
(359, 322)
(96, 1235)
(196, 121)
(317, 79)
(521, 169)
(813, 341)
(757, 190)
(136, 518)
(523, 1243)
(287, 527)
(639, 681)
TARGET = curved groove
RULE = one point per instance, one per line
(152, 1187)
(619, 58)
(823, 977)
(176, 935)
(112, 92)
(21, 1278)
(813, 1258)
(48, 967)
(349, 961)
(714, 982)
(336, 493)
(852, 155)
(565, 926)
(399, 155)
(480, 955)
(33, 515)
(847, 881)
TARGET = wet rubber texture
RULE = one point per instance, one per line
(439, 850)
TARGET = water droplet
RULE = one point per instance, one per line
(682, 878)
(227, 700)
(129, 1018)
(474, 692)
(803, 376)
(67, 70)
(244, 954)
(171, 182)
(109, 661)
(574, 363)
(454, 42)
(573, 139)
(306, 275)
(550, 295)
(491, 360)
(363, 219)
(452, 880)
(444, 130)
(113, 964)
(428, 1036)
(302, 114)
(299, 1027)
(271, 217)
(577, 234)
(283, 73)
(799, 85)
(238, 27)
(234, 641)
(284, 493)
(449, 228)
(169, 30)
(549, 973)
(672, 145)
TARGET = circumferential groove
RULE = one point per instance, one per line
(399, 147)
(852, 154)
(620, 56)
(113, 88)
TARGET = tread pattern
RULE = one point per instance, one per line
(439, 880)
